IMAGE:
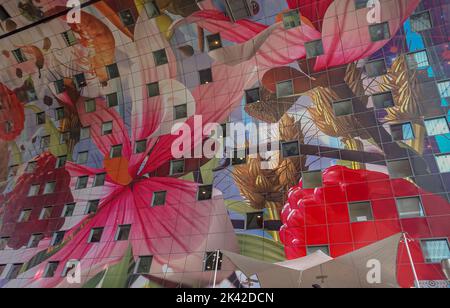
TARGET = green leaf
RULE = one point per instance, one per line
(117, 275)
(95, 281)
(207, 170)
(261, 248)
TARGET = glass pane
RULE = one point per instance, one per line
(436, 250)
(410, 207)
(361, 211)
(437, 126)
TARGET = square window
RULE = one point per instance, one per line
(92, 207)
(159, 198)
(205, 76)
(35, 239)
(421, 21)
(20, 57)
(45, 142)
(85, 133)
(360, 211)
(82, 158)
(383, 100)
(82, 182)
(24, 216)
(50, 269)
(214, 41)
(402, 132)
(80, 81)
(253, 96)
(343, 108)
(61, 162)
(410, 207)
(116, 151)
(376, 68)
(59, 113)
(107, 128)
(68, 210)
(290, 149)
(90, 105)
(12, 171)
(313, 249)
(58, 238)
(64, 138)
(141, 146)
(417, 60)
(444, 88)
(69, 38)
(443, 162)
(96, 235)
(15, 271)
(239, 157)
(127, 18)
(112, 100)
(285, 88)
(435, 251)
(177, 167)
(46, 213)
(4, 15)
(254, 221)
(49, 188)
(153, 89)
(4, 242)
(180, 112)
(238, 9)
(312, 179)
(361, 4)
(40, 118)
(314, 49)
(113, 71)
(151, 8)
(205, 192)
(213, 260)
(99, 180)
(379, 32)
(399, 169)
(34, 190)
(143, 265)
(437, 126)
(59, 86)
(123, 233)
(291, 19)
(160, 57)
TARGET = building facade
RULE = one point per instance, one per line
(140, 138)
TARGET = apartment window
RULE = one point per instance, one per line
(96, 235)
(205, 192)
(444, 88)
(383, 100)
(31, 167)
(402, 132)
(421, 21)
(12, 171)
(85, 133)
(435, 250)
(210, 262)
(34, 190)
(360, 211)
(151, 8)
(113, 71)
(4, 15)
(285, 88)
(49, 188)
(361, 4)
(40, 118)
(160, 57)
(127, 18)
(205, 76)
(159, 198)
(92, 207)
(239, 157)
(237, 9)
(437, 126)
(140, 146)
(61, 162)
(90, 105)
(177, 167)
(45, 142)
(59, 113)
(69, 38)
(214, 41)
(312, 179)
(123, 233)
(82, 158)
(99, 179)
(376, 68)
(143, 265)
(399, 169)
(25, 216)
(58, 238)
(290, 149)
(82, 182)
(314, 49)
(443, 162)
(112, 100)
(313, 249)
(180, 112)
(50, 269)
(291, 19)
(35, 239)
(15, 271)
(153, 89)
(410, 207)
(107, 128)
(80, 81)
(116, 151)
(379, 32)
(59, 86)
(46, 213)
(252, 96)
(64, 138)
(4, 243)
(68, 210)
(417, 60)
(20, 57)
(254, 221)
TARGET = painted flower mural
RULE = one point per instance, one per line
(12, 114)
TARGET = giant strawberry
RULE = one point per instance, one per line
(321, 217)
(12, 114)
